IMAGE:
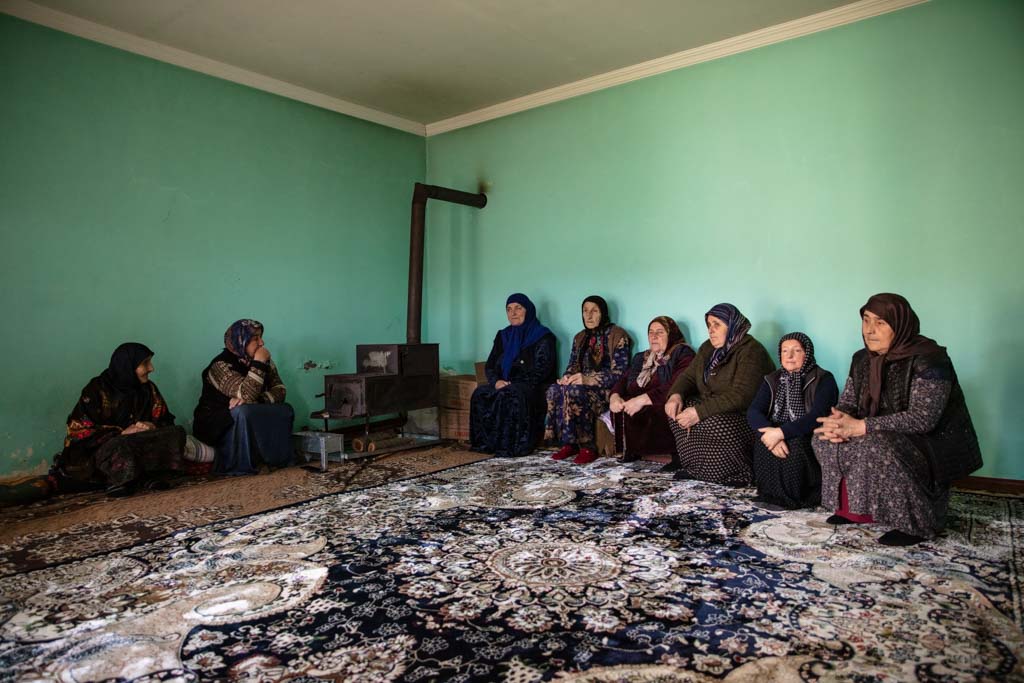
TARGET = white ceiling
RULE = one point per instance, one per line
(429, 60)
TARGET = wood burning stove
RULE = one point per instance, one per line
(396, 378)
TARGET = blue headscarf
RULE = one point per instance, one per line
(515, 338)
(736, 325)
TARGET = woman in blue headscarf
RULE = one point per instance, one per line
(707, 405)
(785, 413)
(506, 415)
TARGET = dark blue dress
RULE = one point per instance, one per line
(510, 421)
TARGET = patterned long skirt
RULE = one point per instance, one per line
(125, 459)
(506, 422)
(792, 482)
(716, 449)
(887, 477)
(572, 413)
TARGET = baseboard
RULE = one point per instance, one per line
(991, 484)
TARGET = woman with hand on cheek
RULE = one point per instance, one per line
(241, 409)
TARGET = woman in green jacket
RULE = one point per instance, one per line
(707, 405)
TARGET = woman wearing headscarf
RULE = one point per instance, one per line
(241, 409)
(785, 413)
(637, 401)
(599, 357)
(707, 406)
(506, 415)
(120, 434)
(901, 432)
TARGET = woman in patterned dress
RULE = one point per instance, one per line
(707, 405)
(637, 401)
(599, 356)
(785, 412)
(506, 415)
(120, 434)
(241, 410)
(901, 432)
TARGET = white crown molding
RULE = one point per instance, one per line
(865, 9)
(37, 14)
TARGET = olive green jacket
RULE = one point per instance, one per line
(733, 384)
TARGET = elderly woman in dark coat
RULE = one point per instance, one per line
(506, 416)
(637, 401)
(708, 403)
(599, 356)
(121, 434)
(901, 432)
(785, 413)
(241, 410)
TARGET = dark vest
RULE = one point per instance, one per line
(812, 380)
(952, 445)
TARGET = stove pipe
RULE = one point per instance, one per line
(420, 194)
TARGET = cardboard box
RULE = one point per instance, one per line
(454, 424)
(456, 391)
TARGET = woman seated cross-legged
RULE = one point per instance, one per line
(600, 355)
(121, 435)
(241, 410)
(901, 432)
(637, 402)
(506, 415)
(785, 412)
(708, 404)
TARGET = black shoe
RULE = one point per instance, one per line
(671, 466)
(899, 539)
(682, 475)
(770, 507)
(839, 520)
(122, 491)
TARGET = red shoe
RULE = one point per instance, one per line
(586, 456)
(566, 451)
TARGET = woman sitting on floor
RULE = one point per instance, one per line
(599, 356)
(901, 432)
(120, 434)
(241, 410)
(785, 412)
(506, 415)
(637, 403)
(708, 403)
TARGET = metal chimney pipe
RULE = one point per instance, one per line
(420, 194)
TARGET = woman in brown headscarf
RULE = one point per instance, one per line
(637, 401)
(901, 432)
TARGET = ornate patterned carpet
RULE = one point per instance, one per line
(73, 527)
(528, 570)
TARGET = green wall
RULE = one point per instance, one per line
(794, 181)
(140, 201)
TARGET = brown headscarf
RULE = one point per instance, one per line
(654, 361)
(906, 342)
